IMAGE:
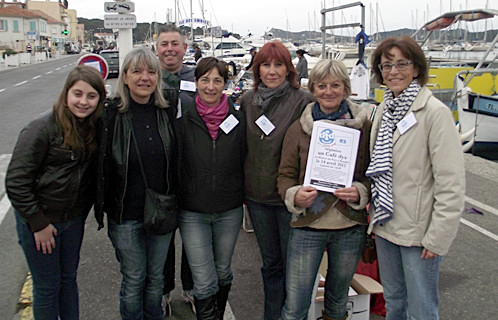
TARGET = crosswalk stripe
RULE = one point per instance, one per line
(4, 207)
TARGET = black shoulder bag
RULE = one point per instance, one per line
(160, 210)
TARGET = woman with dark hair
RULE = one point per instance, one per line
(136, 135)
(273, 104)
(418, 195)
(51, 184)
(212, 149)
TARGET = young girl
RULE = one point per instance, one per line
(50, 182)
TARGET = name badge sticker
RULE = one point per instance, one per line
(229, 123)
(406, 123)
(265, 124)
(187, 86)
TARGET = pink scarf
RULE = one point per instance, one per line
(212, 116)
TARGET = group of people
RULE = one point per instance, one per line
(172, 129)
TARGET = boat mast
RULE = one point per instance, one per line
(486, 25)
(191, 22)
(176, 9)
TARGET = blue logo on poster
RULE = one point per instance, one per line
(327, 136)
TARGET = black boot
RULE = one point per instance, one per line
(205, 308)
(221, 300)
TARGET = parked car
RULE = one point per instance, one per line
(86, 47)
(112, 59)
(72, 48)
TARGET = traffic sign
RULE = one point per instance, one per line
(95, 61)
(120, 21)
(119, 7)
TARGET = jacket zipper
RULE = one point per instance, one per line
(213, 180)
(165, 151)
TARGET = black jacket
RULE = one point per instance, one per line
(114, 155)
(211, 171)
(45, 182)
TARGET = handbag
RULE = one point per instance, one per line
(160, 210)
(369, 253)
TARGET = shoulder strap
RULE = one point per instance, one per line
(140, 160)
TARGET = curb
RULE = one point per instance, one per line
(25, 302)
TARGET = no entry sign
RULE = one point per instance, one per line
(95, 61)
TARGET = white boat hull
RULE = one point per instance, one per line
(483, 122)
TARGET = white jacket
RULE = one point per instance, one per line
(428, 178)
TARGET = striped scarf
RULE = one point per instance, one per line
(380, 170)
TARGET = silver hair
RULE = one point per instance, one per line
(329, 67)
(139, 57)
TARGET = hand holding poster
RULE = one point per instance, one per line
(332, 156)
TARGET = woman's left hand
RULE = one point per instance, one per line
(349, 194)
(426, 254)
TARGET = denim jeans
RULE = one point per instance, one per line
(306, 248)
(141, 256)
(272, 229)
(410, 282)
(169, 269)
(55, 291)
(209, 241)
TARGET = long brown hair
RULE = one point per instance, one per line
(79, 134)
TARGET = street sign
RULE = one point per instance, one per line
(119, 7)
(95, 61)
(120, 21)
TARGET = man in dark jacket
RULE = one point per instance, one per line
(198, 52)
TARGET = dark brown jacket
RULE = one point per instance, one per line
(263, 155)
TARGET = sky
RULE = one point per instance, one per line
(258, 16)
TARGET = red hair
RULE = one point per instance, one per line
(274, 50)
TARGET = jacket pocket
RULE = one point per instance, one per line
(418, 205)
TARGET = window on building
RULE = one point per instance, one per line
(16, 25)
(43, 26)
(32, 26)
(3, 25)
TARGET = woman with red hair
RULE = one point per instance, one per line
(274, 103)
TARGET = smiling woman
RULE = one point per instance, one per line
(137, 108)
(413, 136)
(212, 140)
(50, 183)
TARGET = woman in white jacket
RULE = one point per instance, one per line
(418, 181)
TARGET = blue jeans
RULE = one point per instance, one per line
(306, 248)
(410, 282)
(55, 291)
(141, 256)
(209, 241)
(272, 229)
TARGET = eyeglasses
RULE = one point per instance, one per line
(400, 66)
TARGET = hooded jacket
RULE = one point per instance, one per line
(293, 167)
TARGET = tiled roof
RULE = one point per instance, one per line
(13, 11)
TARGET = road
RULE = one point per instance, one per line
(469, 277)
